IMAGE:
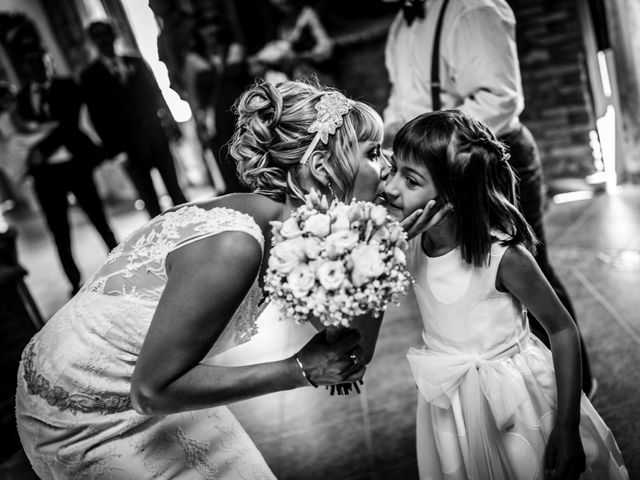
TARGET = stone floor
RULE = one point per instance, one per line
(595, 247)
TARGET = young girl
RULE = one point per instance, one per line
(494, 402)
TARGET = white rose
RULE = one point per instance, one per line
(312, 248)
(301, 279)
(290, 229)
(331, 275)
(318, 225)
(367, 264)
(340, 209)
(286, 255)
(379, 215)
(340, 221)
(339, 242)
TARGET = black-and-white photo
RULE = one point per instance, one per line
(310, 240)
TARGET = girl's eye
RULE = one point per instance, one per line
(392, 169)
(411, 182)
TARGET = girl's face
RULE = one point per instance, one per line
(373, 169)
(409, 187)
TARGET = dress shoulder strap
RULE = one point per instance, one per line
(498, 249)
(192, 223)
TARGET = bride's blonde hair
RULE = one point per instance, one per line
(272, 136)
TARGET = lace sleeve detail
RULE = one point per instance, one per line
(217, 220)
(137, 266)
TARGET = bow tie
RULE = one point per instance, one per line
(413, 9)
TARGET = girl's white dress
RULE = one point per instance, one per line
(73, 408)
(487, 389)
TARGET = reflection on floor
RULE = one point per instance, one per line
(305, 434)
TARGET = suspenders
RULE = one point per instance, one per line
(436, 104)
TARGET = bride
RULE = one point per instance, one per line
(130, 378)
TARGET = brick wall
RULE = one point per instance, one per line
(557, 105)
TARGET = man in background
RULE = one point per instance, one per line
(64, 159)
(127, 110)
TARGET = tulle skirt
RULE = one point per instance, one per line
(490, 416)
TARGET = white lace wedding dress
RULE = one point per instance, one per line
(73, 408)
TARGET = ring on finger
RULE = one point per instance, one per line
(354, 359)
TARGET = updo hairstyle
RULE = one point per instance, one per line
(272, 136)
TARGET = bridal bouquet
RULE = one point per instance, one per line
(336, 262)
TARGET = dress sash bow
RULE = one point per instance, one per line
(489, 379)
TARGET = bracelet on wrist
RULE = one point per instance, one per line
(304, 374)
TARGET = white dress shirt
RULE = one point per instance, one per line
(479, 69)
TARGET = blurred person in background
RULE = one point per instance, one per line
(473, 67)
(13, 151)
(127, 110)
(302, 48)
(229, 39)
(206, 47)
(63, 160)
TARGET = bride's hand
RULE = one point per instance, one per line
(327, 363)
(425, 218)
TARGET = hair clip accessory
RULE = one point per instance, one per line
(332, 107)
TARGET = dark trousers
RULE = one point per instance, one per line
(232, 83)
(525, 159)
(51, 184)
(150, 151)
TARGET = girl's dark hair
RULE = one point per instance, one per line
(470, 169)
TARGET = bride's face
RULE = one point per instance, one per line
(373, 169)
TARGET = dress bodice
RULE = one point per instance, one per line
(90, 346)
(136, 267)
(459, 303)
